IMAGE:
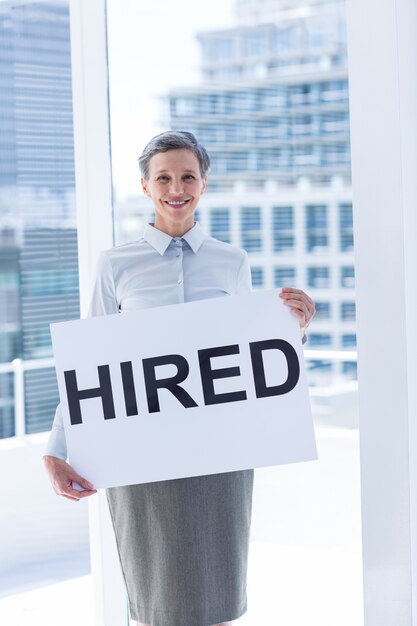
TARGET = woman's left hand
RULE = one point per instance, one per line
(301, 305)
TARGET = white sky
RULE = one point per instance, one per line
(152, 47)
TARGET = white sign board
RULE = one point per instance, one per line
(184, 390)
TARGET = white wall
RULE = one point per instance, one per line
(382, 41)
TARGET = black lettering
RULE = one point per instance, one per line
(256, 349)
(172, 384)
(104, 391)
(208, 375)
(129, 388)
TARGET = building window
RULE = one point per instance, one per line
(257, 277)
(322, 367)
(239, 132)
(302, 125)
(283, 242)
(350, 369)
(334, 91)
(319, 339)
(209, 134)
(321, 34)
(323, 310)
(284, 276)
(243, 101)
(301, 94)
(334, 123)
(305, 156)
(273, 97)
(267, 130)
(237, 162)
(255, 44)
(347, 276)
(251, 229)
(221, 49)
(39, 258)
(349, 340)
(336, 154)
(283, 238)
(346, 227)
(182, 107)
(316, 216)
(220, 224)
(318, 277)
(348, 311)
(285, 39)
(316, 227)
(272, 159)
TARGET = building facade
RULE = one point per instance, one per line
(38, 260)
(273, 112)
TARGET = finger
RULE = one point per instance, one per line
(310, 307)
(83, 482)
(302, 306)
(297, 304)
(297, 295)
(76, 495)
(65, 488)
(69, 497)
(65, 493)
(86, 493)
(300, 314)
(293, 289)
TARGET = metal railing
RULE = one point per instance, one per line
(18, 367)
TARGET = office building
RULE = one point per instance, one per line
(273, 111)
(38, 261)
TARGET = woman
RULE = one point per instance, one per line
(183, 544)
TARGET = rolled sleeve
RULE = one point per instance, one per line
(57, 445)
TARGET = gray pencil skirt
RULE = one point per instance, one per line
(183, 547)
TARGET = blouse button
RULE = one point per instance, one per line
(179, 281)
(178, 254)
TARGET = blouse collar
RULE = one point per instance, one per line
(160, 240)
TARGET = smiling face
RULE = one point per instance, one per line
(175, 185)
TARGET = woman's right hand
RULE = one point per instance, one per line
(62, 476)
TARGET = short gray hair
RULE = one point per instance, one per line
(173, 140)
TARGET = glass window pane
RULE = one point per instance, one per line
(284, 277)
(349, 340)
(255, 44)
(323, 310)
(318, 277)
(283, 235)
(347, 276)
(316, 228)
(251, 228)
(346, 227)
(220, 224)
(319, 340)
(46, 542)
(348, 311)
(257, 277)
(255, 84)
(38, 259)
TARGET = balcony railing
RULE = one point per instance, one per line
(17, 368)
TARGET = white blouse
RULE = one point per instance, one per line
(159, 270)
